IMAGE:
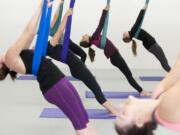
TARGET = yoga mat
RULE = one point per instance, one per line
(115, 95)
(92, 113)
(26, 77)
(31, 77)
(151, 78)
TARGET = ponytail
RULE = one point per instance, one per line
(4, 71)
(13, 75)
(92, 54)
(134, 47)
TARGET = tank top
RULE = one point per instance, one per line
(48, 74)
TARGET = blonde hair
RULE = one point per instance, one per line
(91, 54)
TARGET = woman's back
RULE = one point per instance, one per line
(48, 73)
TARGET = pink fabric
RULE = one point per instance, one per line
(172, 126)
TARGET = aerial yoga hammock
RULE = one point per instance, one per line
(63, 54)
(67, 34)
(105, 28)
(42, 38)
(139, 29)
(58, 21)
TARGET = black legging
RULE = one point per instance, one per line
(157, 51)
(78, 70)
(118, 61)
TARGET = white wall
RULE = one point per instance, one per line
(162, 21)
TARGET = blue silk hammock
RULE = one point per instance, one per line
(139, 29)
(42, 38)
(63, 54)
(105, 28)
(58, 21)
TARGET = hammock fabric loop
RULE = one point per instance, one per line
(63, 54)
(105, 29)
(42, 38)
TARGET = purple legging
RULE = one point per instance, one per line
(65, 96)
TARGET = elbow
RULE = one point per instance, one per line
(9, 54)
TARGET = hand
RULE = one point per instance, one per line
(145, 93)
(145, 6)
(49, 3)
(69, 12)
(157, 92)
(62, 1)
(107, 7)
(33, 47)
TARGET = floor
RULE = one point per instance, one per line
(21, 103)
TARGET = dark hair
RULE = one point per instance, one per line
(134, 47)
(147, 129)
(127, 39)
(134, 44)
(91, 52)
(4, 71)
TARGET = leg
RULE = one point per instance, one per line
(119, 62)
(62, 95)
(157, 51)
(79, 101)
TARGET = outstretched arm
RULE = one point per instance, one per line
(171, 78)
(55, 39)
(101, 23)
(12, 57)
(138, 21)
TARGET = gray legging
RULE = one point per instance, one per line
(157, 51)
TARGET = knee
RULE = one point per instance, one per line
(81, 121)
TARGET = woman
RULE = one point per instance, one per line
(77, 67)
(55, 88)
(149, 41)
(111, 52)
(140, 117)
